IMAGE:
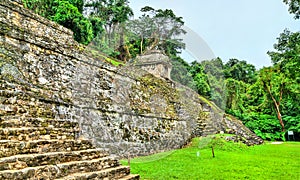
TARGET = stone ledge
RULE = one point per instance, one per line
(112, 173)
(51, 158)
(30, 133)
(10, 148)
(37, 122)
(60, 170)
(131, 177)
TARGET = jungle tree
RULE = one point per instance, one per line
(157, 29)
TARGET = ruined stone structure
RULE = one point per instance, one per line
(156, 63)
(33, 143)
(52, 89)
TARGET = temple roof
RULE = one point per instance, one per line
(153, 57)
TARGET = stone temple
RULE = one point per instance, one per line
(156, 63)
(67, 115)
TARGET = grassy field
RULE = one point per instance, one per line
(232, 161)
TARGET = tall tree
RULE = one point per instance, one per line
(287, 54)
(286, 61)
(139, 31)
(113, 13)
(274, 82)
(158, 29)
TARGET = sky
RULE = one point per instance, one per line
(242, 29)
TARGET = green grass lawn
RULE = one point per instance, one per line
(232, 161)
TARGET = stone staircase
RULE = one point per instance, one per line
(44, 148)
(207, 124)
(204, 125)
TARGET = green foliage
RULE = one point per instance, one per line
(294, 7)
(41, 7)
(180, 72)
(272, 93)
(265, 126)
(108, 17)
(287, 54)
(103, 45)
(67, 13)
(77, 3)
(139, 34)
(69, 16)
(114, 61)
(292, 123)
(98, 55)
(257, 97)
(112, 12)
(83, 31)
(157, 29)
(200, 79)
(235, 94)
(215, 75)
(97, 25)
(240, 70)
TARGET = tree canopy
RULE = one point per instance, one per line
(157, 29)
(294, 7)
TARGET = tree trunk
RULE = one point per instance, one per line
(279, 116)
(128, 55)
(142, 40)
(277, 107)
(154, 44)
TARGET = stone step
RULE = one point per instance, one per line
(131, 177)
(11, 148)
(9, 122)
(31, 160)
(209, 126)
(44, 133)
(200, 127)
(210, 130)
(60, 170)
(110, 173)
(207, 133)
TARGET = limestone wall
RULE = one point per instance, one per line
(45, 73)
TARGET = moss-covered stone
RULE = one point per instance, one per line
(150, 86)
